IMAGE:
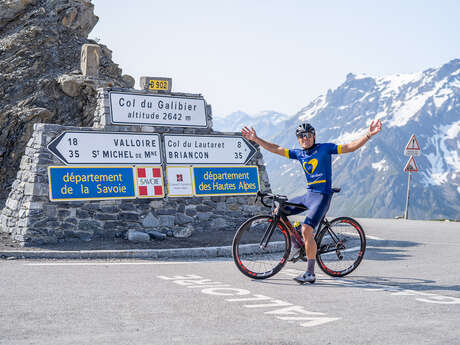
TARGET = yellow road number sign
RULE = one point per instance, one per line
(158, 84)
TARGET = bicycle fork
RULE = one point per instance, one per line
(269, 232)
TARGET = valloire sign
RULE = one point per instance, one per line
(157, 110)
(78, 147)
(207, 149)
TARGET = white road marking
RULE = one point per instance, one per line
(370, 237)
(283, 310)
(421, 296)
(373, 238)
(109, 263)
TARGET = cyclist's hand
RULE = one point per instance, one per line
(249, 133)
(374, 128)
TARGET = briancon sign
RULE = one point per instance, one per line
(207, 149)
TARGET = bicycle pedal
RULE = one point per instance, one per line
(297, 258)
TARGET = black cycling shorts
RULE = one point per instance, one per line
(317, 203)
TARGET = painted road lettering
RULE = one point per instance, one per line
(285, 311)
(425, 297)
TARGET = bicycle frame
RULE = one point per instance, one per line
(281, 217)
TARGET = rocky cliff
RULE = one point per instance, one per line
(40, 75)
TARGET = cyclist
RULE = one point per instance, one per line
(315, 159)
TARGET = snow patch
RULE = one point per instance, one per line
(391, 84)
(380, 165)
(360, 76)
(443, 161)
(408, 109)
(439, 178)
(350, 136)
(311, 111)
(442, 96)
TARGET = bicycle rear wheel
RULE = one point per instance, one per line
(257, 254)
(341, 247)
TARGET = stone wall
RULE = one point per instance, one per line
(31, 219)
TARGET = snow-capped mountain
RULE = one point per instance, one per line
(266, 123)
(372, 179)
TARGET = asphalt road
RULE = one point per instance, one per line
(406, 291)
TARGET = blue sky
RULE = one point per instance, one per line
(257, 55)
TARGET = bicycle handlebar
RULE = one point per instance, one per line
(274, 197)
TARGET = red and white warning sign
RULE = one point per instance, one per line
(411, 166)
(412, 147)
(149, 182)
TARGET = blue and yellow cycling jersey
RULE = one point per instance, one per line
(317, 165)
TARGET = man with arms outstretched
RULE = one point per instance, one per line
(315, 159)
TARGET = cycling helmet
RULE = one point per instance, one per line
(305, 128)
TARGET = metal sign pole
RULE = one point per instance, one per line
(406, 213)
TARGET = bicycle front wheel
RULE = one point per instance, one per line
(261, 248)
(341, 247)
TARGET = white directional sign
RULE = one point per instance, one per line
(207, 149)
(77, 147)
(412, 147)
(157, 110)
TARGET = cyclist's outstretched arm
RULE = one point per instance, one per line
(354, 145)
(250, 134)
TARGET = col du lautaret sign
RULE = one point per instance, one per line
(207, 149)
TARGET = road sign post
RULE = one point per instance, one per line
(406, 212)
(410, 167)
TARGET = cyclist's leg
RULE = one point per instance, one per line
(290, 211)
(317, 204)
(310, 244)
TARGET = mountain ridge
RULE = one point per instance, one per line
(425, 103)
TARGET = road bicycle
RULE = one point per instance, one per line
(262, 244)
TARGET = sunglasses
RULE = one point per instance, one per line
(305, 135)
